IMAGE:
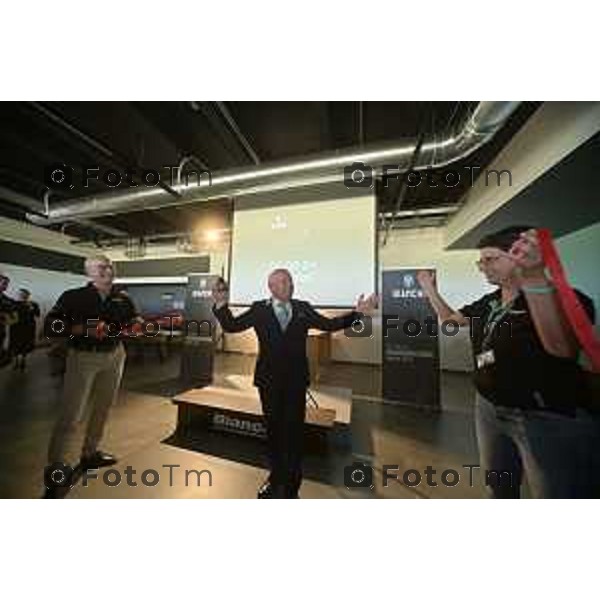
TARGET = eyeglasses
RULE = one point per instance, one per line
(484, 261)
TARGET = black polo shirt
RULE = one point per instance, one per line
(522, 373)
(85, 304)
(7, 305)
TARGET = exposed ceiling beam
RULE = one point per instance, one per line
(238, 132)
(115, 157)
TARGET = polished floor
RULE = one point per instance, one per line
(142, 423)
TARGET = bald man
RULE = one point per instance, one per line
(281, 374)
(95, 360)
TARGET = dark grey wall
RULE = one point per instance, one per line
(148, 297)
(39, 258)
(165, 267)
(564, 199)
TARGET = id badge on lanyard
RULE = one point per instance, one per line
(486, 357)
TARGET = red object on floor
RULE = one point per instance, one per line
(572, 307)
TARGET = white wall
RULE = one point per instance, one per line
(46, 286)
(580, 254)
(218, 253)
(458, 280)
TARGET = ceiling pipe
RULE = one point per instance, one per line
(487, 119)
(39, 207)
(421, 212)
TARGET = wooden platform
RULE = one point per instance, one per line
(239, 410)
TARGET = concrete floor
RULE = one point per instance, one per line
(142, 422)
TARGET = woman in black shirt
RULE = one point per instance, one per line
(23, 332)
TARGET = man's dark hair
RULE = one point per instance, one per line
(504, 238)
(25, 291)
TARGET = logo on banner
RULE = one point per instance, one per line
(409, 288)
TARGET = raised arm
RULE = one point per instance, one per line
(318, 321)
(549, 319)
(232, 324)
(443, 310)
(223, 313)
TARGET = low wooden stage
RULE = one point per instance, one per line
(238, 411)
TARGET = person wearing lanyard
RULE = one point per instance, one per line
(530, 417)
(89, 317)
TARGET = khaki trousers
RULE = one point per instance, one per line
(92, 379)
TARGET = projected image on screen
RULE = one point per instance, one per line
(328, 246)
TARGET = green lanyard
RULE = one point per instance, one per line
(496, 315)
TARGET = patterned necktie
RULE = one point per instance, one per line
(283, 315)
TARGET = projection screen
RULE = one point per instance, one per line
(328, 246)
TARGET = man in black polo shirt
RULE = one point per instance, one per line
(530, 387)
(92, 315)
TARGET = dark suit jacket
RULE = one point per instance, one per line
(281, 355)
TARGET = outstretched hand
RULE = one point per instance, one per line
(426, 280)
(367, 305)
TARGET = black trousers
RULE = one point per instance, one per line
(4, 353)
(284, 407)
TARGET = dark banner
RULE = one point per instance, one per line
(410, 354)
(197, 358)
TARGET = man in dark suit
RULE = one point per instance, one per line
(281, 374)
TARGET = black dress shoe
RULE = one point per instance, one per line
(265, 491)
(56, 493)
(97, 460)
(51, 494)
